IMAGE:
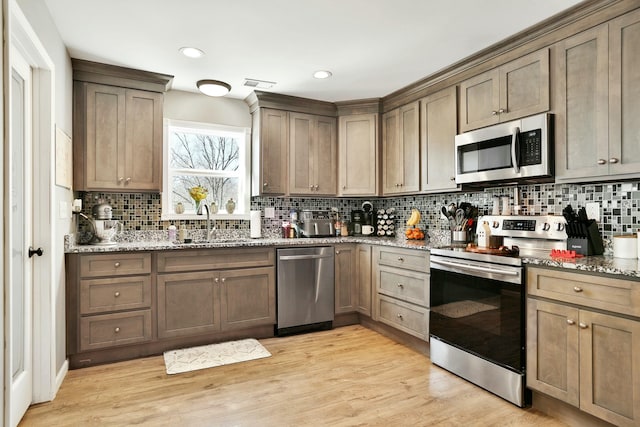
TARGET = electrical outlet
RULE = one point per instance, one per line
(269, 212)
(593, 211)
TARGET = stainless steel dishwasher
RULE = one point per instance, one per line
(305, 289)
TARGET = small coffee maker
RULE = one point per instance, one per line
(357, 220)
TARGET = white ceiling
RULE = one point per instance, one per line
(372, 47)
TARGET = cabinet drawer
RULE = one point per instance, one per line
(212, 259)
(108, 330)
(124, 293)
(403, 258)
(406, 285)
(605, 293)
(406, 317)
(115, 265)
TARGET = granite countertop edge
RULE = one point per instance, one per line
(630, 268)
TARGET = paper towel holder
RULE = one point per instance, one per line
(255, 224)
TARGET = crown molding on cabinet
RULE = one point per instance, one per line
(296, 104)
(95, 72)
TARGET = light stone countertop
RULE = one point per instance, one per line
(630, 268)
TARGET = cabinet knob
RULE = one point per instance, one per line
(400, 285)
(613, 160)
(311, 187)
(116, 265)
(344, 187)
(121, 179)
(577, 289)
(116, 294)
(452, 178)
(502, 110)
(400, 259)
(583, 325)
(571, 322)
(116, 330)
(317, 187)
(399, 316)
(128, 180)
(494, 113)
(216, 280)
(223, 279)
(602, 161)
(337, 252)
(264, 184)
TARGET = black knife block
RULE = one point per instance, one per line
(589, 243)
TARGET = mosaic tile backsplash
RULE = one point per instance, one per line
(619, 207)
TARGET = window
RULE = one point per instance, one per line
(211, 156)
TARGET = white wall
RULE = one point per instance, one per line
(195, 107)
(38, 16)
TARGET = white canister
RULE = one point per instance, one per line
(625, 246)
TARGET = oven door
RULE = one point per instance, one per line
(478, 307)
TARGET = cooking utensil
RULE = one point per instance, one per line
(445, 212)
(459, 219)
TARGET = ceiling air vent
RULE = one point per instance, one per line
(259, 84)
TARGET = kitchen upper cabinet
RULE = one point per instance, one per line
(438, 128)
(517, 89)
(118, 128)
(270, 145)
(401, 150)
(358, 155)
(312, 155)
(599, 68)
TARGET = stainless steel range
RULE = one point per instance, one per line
(477, 317)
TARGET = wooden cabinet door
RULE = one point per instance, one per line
(438, 127)
(270, 145)
(609, 374)
(364, 284)
(143, 142)
(325, 166)
(105, 136)
(391, 153)
(410, 147)
(188, 304)
(480, 101)
(358, 155)
(302, 154)
(345, 278)
(582, 119)
(524, 86)
(248, 297)
(624, 96)
(552, 350)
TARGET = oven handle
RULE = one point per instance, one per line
(476, 268)
(515, 150)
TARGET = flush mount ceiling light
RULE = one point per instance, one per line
(191, 52)
(322, 74)
(213, 87)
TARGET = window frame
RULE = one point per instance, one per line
(243, 204)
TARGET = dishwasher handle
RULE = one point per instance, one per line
(299, 257)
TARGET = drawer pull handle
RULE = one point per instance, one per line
(399, 316)
(400, 259)
(400, 285)
(116, 330)
(116, 265)
(577, 289)
(571, 322)
(116, 294)
(583, 325)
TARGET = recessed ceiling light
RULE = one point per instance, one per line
(322, 74)
(213, 87)
(191, 52)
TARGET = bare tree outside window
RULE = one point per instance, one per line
(208, 160)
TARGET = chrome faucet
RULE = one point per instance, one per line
(211, 230)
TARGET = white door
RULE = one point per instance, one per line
(19, 226)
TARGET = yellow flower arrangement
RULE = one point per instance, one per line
(198, 194)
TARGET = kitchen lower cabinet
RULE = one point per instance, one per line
(248, 297)
(581, 356)
(346, 297)
(401, 298)
(364, 283)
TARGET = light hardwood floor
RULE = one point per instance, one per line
(350, 376)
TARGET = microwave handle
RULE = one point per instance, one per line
(515, 149)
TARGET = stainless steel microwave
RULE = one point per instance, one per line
(520, 150)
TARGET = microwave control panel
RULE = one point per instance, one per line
(531, 147)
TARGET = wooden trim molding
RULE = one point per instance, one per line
(95, 72)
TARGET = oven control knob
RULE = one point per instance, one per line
(495, 224)
(546, 226)
(560, 226)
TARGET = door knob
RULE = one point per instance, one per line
(33, 252)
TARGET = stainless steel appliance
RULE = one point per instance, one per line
(316, 224)
(477, 296)
(513, 151)
(305, 289)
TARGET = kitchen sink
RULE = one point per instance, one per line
(213, 241)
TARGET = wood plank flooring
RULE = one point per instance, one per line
(350, 376)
